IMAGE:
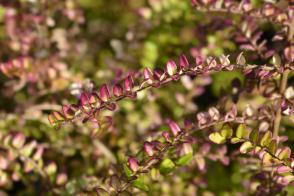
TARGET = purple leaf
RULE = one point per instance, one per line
(68, 111)
(129, 83)
(174, 127)
(247, 47)
(117, 90)
(147, 74)
(166, 136)
(94, 100)
(184, 64)
(104, 93)
(133, 164)
(188, 124)
(171, 68)
(84, 99)
(148, 148)
(158, 74)
(132, 95)
(198, 60)
(111, 106)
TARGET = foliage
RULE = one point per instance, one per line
(146, 97)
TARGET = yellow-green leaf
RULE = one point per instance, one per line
(285, 153)
(272, 146)
(241, 131)
(257, 149)
(226, 131)
(267, 159)
(127, 171)
(236, 140)
(254, 136)
(266, 138)
(246, 147)
(217, 138)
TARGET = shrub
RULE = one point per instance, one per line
(217, 119)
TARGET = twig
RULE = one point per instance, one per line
(283, 85)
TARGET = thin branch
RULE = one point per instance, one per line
(283, 85)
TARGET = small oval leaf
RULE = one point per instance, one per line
(241, 131)
(266, 139)
(246, 147)
(217, 138)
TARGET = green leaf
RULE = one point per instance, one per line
(166, 166)
(236, 140)
(217, 138)
(266, 139)
(241, 131)
(246, 147)
(272, 146)
(227, 131)
(184, 160)
(139, 183)
(254, 136)
(127, 171)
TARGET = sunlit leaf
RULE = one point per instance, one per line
(241, 131)
(272, 146)
(217, 138)
(246, 147)
(266, 138)
(285, 153)
(236, 140)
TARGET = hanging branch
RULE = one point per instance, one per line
(253, 142)
(90, 104)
